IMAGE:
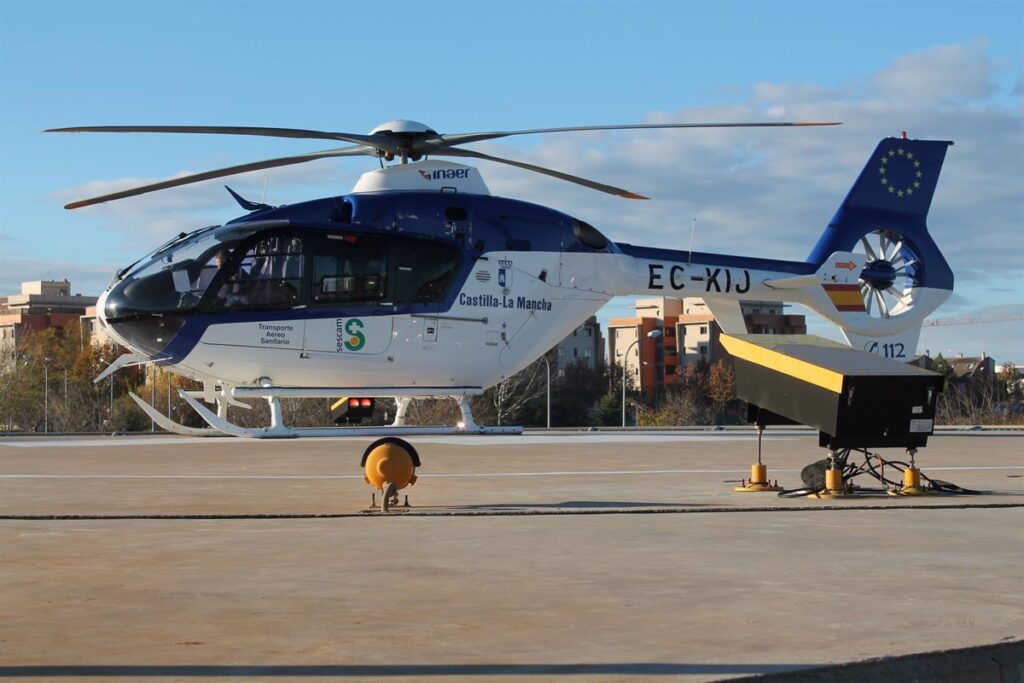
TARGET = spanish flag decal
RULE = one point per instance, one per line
(845, 297)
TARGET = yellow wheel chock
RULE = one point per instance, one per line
(389, 465)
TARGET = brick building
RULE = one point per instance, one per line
(689, 334)
(40, 305)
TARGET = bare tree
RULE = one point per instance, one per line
(510, 395)
(433, 411)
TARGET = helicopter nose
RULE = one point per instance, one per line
(130, 325)
(108, 329)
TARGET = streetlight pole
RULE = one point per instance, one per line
(653, 334)
(152, 398)
(548, 364)
(46, 395)
(624, 356)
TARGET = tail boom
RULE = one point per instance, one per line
(875, 272)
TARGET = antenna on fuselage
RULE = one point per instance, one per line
(693, 229)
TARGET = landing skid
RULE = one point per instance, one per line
(278, 430)
(170, 425)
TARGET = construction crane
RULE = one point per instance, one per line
(972, 319)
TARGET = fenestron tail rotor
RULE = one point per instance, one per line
(402, 139)
(889, 282)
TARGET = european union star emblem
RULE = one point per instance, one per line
(900, 172)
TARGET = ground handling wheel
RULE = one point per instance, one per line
(389, 465)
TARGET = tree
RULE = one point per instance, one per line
(694, 378)
(575, 390)
(512, 394)
(703, 395)
(1012, 384)
(47, 382)
(608, 409)
(944, 368)
(679, 407)
(721, 387)
(433, 411)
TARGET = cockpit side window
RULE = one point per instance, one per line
(267, 274)
(425, 270)
(173, 281)
(349, 269)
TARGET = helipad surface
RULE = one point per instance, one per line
(548, 556)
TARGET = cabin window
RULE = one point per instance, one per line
(589, 235)
(425, 270)
(268, 274)
(349, 269)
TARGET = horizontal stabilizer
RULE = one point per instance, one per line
(841, 268)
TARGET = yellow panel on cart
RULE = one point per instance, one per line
(789, 355)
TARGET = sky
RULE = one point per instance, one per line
(937, 69)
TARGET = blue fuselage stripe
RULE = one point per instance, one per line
(724, 260)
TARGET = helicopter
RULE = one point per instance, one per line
(421, 283)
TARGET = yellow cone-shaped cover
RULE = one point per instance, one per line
(390, 462)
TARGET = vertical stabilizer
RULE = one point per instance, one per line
(879, 235)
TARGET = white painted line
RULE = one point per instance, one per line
(455, 440)
(455, 475)
(104, 442)
(532, 438)
(180, 476)
(588, 437)
(554, 473)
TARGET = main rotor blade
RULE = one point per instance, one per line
(372, 140)
(465, 138)
(610, 189)
(230, 170)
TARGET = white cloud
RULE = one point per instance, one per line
(941, 74)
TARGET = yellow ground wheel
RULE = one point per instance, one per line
(390, 460)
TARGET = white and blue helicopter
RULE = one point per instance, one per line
(421, 283)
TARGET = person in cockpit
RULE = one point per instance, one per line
(207, 273)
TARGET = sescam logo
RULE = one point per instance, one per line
(445, 174)
(349, 335)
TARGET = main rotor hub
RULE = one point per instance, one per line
(406, 133)
(398, 126)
